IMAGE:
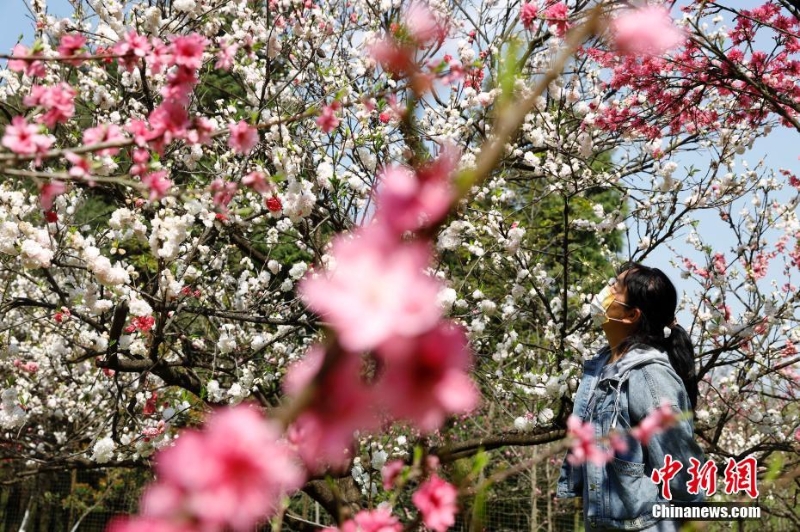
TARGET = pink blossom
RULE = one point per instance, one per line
(168, 122)
(57, 100)
(226, 55)
(341, 404)
(394, 58)
(527, 14)
(243, 137)
(48, 192)
(422, 25)
(28, 367)
(147, 524)
(378, 520)
(376, 291)
(138, 128)
(133, 48)
(201, 131)
(436, 501)
(618, 442)
(390, 472)
(408, 201)
(70, 45)
(104, 133)
(158, 183)
(258, 182)
(24, 139)
(426, 378)
(188, 50)
(144, 324)
(327, 120)
(30, 66)
(556, 16)
(81, 167)
(655, 422)
(223, 192)
(180, 82)
(140, 158)
(645, 31)
(232, 474)
(160, 56)
(584, 445)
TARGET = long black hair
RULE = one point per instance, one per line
(651, 291)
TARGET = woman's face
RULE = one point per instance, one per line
(619, 308)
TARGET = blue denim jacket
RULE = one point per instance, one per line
(619, 495)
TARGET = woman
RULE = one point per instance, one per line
(648, 361)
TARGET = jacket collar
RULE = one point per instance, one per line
(641, 355)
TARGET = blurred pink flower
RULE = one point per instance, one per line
(102, 134)
(243, 137)
(378, 520)
(201, 131)
(376, 289)
(223, 192)
(422, 25)
(81, 167)
(226, 55)
(396, 59)
(133, 47)
(327, 120)
(49, 191)
(527, 14)
(158, 183)
(70, 45)
(160, 56)
(24, 138)
(231, 474)
(426, 378)
(147, 524)
(341, 404)
(258, 182)
(655, 422)
(180, 82)
(436, 501)
(168, 121)
(407, 201)
(557, 16)
(584, 445)
(31, 67)
(57, 100)
(187, 50)
(647, 30)
(390, 472)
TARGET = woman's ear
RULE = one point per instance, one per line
(634, 316)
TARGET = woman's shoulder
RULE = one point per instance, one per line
(651, 385)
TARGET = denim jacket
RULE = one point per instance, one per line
(619, 494)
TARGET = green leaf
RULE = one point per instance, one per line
(508, 72)
(775, 468)
(480, 463)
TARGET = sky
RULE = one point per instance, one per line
(779, 148)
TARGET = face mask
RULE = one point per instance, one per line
(599, 306)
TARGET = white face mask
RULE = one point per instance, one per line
(600, 303)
